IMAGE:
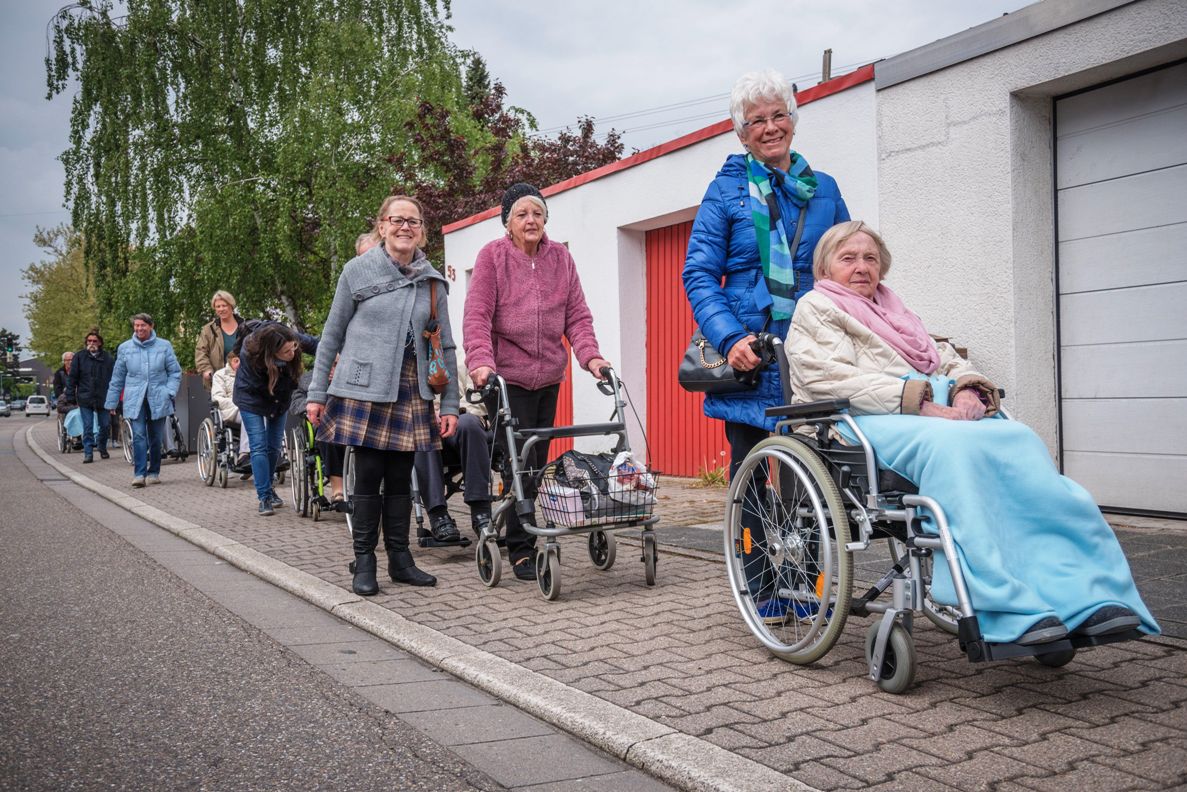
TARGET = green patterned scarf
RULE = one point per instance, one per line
(773, 247)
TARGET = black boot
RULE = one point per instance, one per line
(364, 525)
(397, 515)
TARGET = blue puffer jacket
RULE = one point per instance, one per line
(723, 245)
(144, 369)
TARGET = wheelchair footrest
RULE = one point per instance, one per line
(429, 541)
(982, 651)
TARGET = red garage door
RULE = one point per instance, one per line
(564, 409)
(683, 440)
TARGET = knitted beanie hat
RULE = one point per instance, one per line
(514, 193)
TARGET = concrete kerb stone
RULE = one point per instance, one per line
(682, 760)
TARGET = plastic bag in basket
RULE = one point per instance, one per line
(630, 483)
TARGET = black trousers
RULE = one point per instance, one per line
(469, 446)
(531, 408)
(742, 439)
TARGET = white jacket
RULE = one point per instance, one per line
(222, 386)
(834, 356)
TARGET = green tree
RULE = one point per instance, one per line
(238, 144)
(61, 305)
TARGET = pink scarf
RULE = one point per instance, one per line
(888, 318)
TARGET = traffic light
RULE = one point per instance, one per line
(9, 343)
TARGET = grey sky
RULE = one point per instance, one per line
(558, 60)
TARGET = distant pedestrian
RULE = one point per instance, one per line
(61, 383)
(218, 337)
(269, 369)
(90, 376)
(148, 375)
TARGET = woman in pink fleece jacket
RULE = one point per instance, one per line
(524, 299)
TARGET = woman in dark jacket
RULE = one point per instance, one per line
(269, 370)
(90, 374)
(762, 195)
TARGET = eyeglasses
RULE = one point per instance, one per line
(397, 221)
(759, 123)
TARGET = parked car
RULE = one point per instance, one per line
(5, 410)
(36, 405)
(16, 405)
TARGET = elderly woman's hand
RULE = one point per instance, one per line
(741, 357)
(596, 365)
(970, 405)
(480, 375)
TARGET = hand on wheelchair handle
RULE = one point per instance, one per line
(742, 355)
(313, 412)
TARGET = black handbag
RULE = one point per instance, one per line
(704, 370)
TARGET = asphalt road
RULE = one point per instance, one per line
(117, 674)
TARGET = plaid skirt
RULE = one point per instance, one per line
(408, 424)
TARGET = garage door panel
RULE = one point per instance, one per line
(1109, 152)
(1144, 200)
(1134, 481)
(1129, 426)
(1151, 370)
(1147, 313)
(1132, 258)
(1150, 93)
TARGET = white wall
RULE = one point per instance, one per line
(604, 223)
(966, 191)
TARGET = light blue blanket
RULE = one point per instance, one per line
(74, 423)
(1032, 543)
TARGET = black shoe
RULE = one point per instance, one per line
(479, 522)
(525, 568)
(1043, 631)
(282, 466)
(402, 569)
(444, 528)
(1108, 620)
(364, 583)
(104, 455)
(87, 459)
(243, 462)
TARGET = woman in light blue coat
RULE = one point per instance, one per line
(148, 375)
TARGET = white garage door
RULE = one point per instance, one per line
(1121, 153)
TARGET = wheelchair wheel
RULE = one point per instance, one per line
(180, 447)
(946, 617)
(348, 486)
(650, 556)
(63, 438)
(898, 662)
(223, 475)
(789, 571)
(207, 452)
(299, 478)
(602, 547)
(126, 439)
(548, 573)
(490, 563)
(315, 510)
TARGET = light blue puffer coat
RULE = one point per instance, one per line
(723, 245)
(145, 368)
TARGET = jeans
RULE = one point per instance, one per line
(89, 417)
(266, 436)
(147, 436)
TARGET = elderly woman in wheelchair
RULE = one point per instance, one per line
(899, 437)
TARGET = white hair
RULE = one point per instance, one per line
(534, 199)
(760, 86)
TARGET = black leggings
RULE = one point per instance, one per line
(393, 468)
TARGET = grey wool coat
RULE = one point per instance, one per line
(373, 307)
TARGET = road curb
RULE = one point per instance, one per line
(682, 760)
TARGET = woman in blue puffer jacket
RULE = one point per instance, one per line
(762, 195)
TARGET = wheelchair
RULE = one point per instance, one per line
(218, 449)
(173, 444)
(822, 502)
(308, 478)
(66, 441)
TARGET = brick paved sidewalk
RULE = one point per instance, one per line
(1115, 718)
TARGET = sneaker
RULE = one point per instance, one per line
(525, 568)
(275, 501)
(152, 479)
(1043, 631)
(87, 459)
(444, 529)
(103, 454)
(138, 482)
(1108, 620)
(773, 611)
(266, 509)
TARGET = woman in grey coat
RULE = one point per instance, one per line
(380, 402)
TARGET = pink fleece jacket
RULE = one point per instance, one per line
(518, 308)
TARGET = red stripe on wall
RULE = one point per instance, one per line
(683, 441)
